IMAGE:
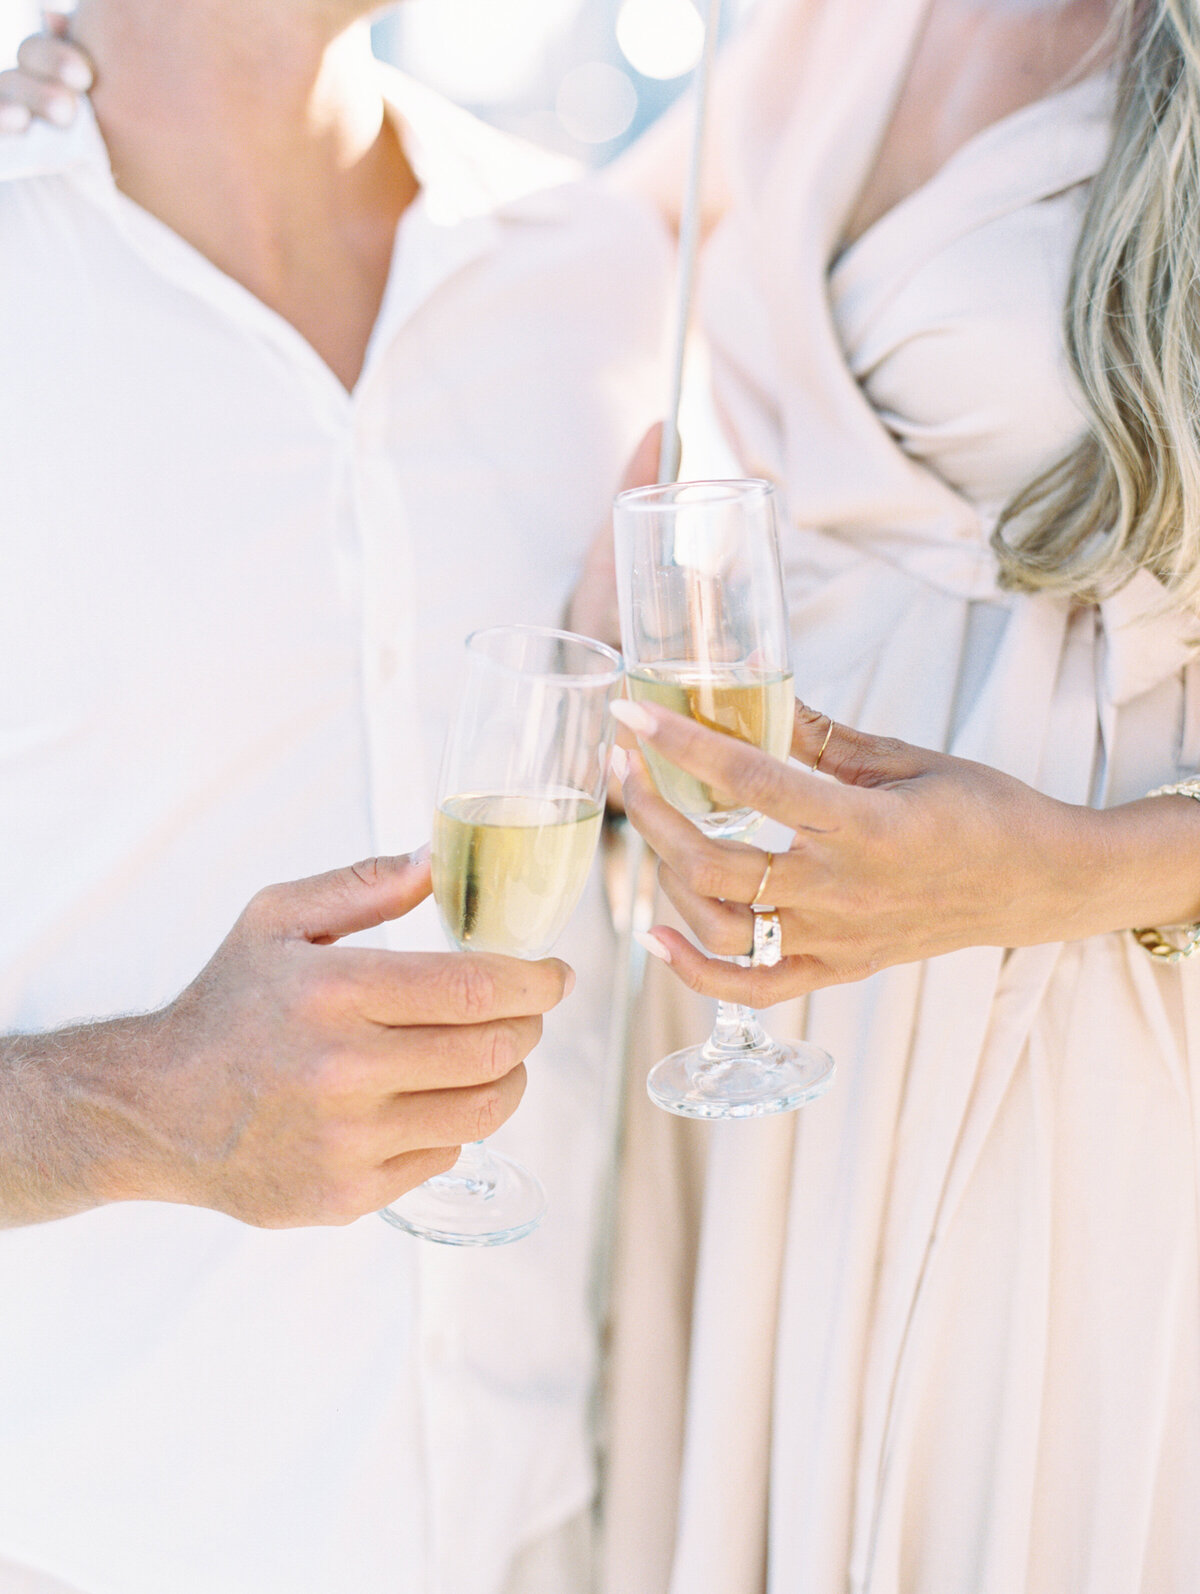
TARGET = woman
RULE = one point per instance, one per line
(958, 1298)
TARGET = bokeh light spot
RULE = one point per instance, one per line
(660, 38)
(596, 102)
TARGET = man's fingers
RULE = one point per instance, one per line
(401, 1174)
(446, 1056)
(445, 1117)
(851, 756)
(750, 778)
(419, 988)
(50, 58)
(326, 907)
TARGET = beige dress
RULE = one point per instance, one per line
(946, 1327)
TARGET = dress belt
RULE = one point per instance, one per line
(1143, 643)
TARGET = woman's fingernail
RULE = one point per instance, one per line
(655, 947)
(620, 763)
(59, 111)
(569, 982)
(636, 718)
(422, 854)
(76, 74)
(14, 118)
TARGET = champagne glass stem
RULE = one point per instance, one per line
(740, 1071)
(736, 1029)
(474, 1171)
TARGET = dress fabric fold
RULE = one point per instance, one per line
(959, 1297)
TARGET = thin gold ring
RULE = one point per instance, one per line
(817, 760)
(762, 884)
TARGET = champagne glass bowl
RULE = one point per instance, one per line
(519, 805)
(704, 630)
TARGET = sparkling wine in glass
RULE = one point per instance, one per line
(519, 804)
(704, 631)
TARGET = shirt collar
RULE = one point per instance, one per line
(471, 178)
(46, 151)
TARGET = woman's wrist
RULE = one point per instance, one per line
(1144, 864)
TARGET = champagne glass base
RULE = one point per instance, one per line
(504, 1204)
(752, 1083)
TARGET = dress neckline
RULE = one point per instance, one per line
(1087, 91)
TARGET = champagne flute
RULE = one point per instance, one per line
(705, 632)
(519, 804)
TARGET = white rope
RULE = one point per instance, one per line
(630, 955)
(689, 245)
(634, 904)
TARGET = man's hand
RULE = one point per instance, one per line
(293, 1082)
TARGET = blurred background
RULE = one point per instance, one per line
(583, 77)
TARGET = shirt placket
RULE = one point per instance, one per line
(429, 256)
(400, 794)
(401, 800)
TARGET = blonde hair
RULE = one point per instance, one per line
(1128, 497)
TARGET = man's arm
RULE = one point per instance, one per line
(293, 1082)
(63, 1145)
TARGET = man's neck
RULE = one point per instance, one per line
(258, 133)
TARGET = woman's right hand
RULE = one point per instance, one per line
(593, 608)
(50, 75)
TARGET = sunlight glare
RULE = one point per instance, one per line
(480, 52)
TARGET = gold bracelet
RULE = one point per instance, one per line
(1154, 941)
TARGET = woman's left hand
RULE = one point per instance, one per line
(905, 854)
(50, 75)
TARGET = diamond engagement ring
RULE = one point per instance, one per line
(768, 940)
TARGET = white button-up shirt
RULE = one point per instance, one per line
(233, 601)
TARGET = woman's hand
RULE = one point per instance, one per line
(50, 75)
(593, 607)
(905, 854)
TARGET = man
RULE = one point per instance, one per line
(304, 378)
